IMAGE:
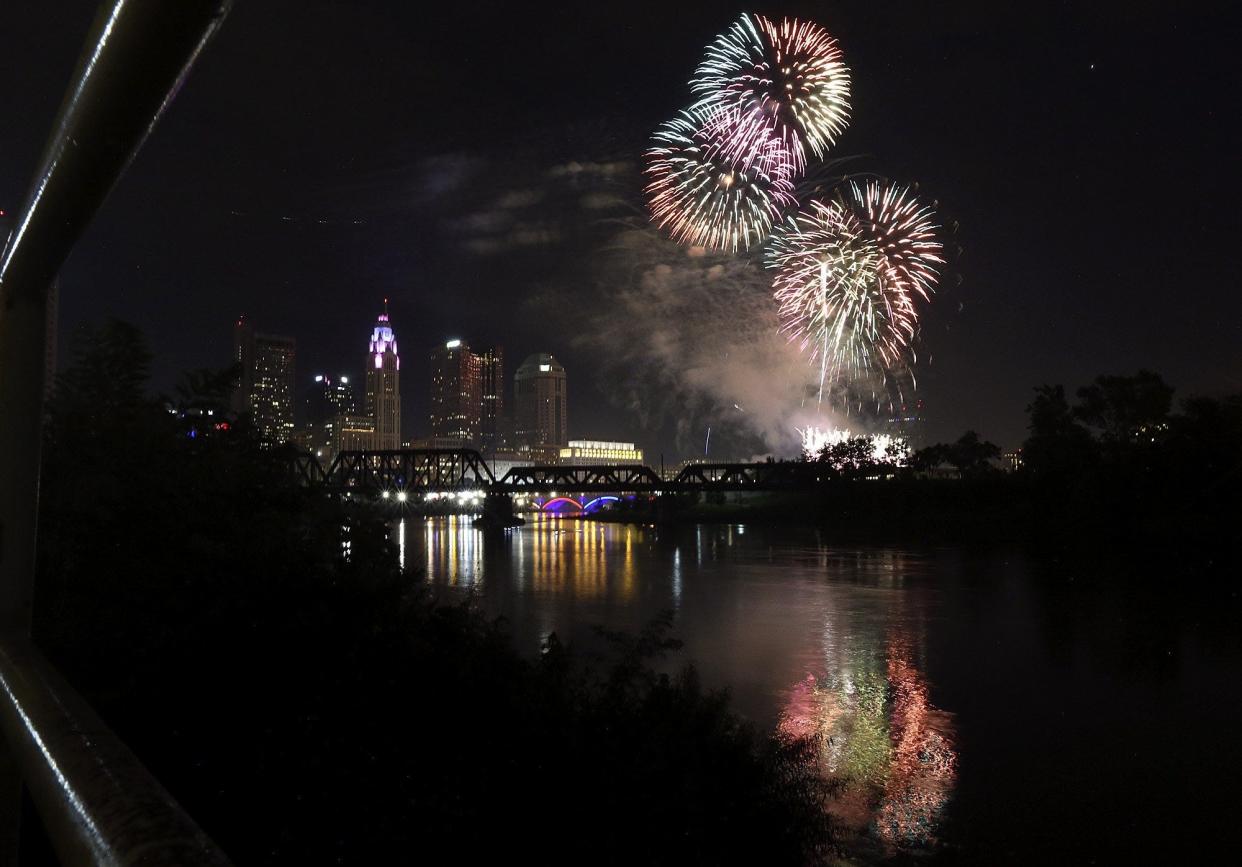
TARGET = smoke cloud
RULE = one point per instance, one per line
(691, 338)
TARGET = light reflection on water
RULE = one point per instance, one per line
(993, 700)
(825, 643)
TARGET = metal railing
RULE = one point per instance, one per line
(96, 800)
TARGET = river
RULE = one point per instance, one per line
(976, 704)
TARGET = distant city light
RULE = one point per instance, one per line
(401, 496)
(319, 378)
(545, 368)
(452, 344)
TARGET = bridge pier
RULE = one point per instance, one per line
(665, 508)
(498, 513)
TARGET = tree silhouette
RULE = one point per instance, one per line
(1126, 409)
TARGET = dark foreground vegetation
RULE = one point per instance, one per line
(309, 707)
(1119, 463)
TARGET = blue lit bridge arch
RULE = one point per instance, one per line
(577, 505)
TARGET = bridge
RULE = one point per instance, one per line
(427, 471)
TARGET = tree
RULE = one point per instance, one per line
(1126, 409)
(972, 456)
(852, 458)
(930, 457)
(1058, 445)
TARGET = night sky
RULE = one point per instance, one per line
(466, 162)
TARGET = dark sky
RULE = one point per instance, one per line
(324, 155)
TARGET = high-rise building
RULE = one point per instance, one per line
(906, 422)
(492, 387)
(268, 367)
(541, 415)
(384, 384)
(327, 403)
(456, 393)
(327, 397)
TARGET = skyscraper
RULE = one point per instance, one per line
(456, 393)
(384, 384)
(329, 403)
(492, 394)
(268, 367)
(540, 404)
(328, 397)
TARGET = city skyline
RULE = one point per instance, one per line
(472, 399)
(493, 227)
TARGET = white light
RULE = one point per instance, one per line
(545, 368)
(318, 379)
(345, 379)
(401, 497)
(384, 495)
(452, 344)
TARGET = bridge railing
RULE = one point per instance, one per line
(96, 800)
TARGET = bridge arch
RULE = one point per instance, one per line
(561, 504)
(599, 503)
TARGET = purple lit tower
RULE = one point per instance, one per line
(384, 384)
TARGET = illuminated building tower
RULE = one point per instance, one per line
(268, 366)
(492, 393)
(540, 405)
(456, 395)
(384, 384)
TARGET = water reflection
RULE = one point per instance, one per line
(882, 739)
(868, 708)
(554, 555)
(824, 642)
(905, 667)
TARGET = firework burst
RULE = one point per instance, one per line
(849, 273)
(789, 77)
(702, 195)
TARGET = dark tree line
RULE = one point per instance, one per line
(1122, 454)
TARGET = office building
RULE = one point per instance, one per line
(540, 408)
(906, 422)
(585, 453)
(266, 386)
(384, 384)
(456, 394)
(327, 397)
(492, 387)
(353, 433)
